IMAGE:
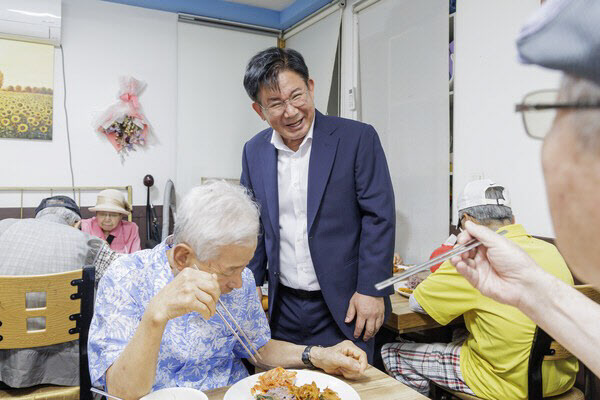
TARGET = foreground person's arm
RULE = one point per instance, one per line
(568, 316)
(345, 358)
(501, 270)
(132, 375)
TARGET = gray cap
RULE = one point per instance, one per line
(58, 201)
(564, 35)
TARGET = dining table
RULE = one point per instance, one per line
(374, 385)
(403, 320)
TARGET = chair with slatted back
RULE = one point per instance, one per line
(543, 348)
(68, 312)
(589, 378)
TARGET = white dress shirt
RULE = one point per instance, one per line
(296, 266)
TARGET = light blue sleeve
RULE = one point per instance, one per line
(116, 317)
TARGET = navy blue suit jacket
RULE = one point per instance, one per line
(350, 212)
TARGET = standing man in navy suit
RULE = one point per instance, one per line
(327, 210)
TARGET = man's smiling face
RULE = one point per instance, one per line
(294, 122)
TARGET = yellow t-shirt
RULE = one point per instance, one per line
(495, 356)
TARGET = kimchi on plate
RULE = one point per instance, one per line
(279, 384)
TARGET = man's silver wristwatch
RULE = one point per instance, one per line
(306, 356)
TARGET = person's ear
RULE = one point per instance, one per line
(259, 110)
(182, 256)
(311, 88)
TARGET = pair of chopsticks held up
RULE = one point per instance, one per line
(254, 353)
(463, 248)
(381, 285)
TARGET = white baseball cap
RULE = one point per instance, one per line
(474, 195)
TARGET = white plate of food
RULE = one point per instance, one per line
(402, 289)
(290, 384)
(400, 268)
(406, 287)
(176, 393)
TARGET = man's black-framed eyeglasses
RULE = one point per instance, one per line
(538, 111)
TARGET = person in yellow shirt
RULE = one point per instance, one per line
(492, 361)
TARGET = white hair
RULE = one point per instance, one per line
(585, 122)
(70, 217)
(216, 214)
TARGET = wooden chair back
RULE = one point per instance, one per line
(544, 348)
(57, 312)
(68, 311)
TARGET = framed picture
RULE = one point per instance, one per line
(26, 90)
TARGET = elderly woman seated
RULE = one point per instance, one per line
(154, 323)
(111, 206)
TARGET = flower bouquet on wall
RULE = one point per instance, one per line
(123, 123)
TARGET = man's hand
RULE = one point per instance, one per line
(191, 290)
(369, 312)
(498, 268)
(345, 359)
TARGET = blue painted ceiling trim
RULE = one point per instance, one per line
(300, 9)
(235, 11)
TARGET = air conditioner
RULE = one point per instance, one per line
(31, 20)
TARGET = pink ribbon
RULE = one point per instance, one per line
(130, 98)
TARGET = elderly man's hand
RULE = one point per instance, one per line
(498, 268)
(369, 312)
(191, 290)
(345, 359)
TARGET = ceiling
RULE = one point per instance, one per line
(277, 5)
(277, 14)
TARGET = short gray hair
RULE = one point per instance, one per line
(63, 213)
(585, 122)
(489, 212)
(216, 214)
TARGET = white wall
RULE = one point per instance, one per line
(489, 139)
(404, 94)
(215, 115)
(101, 42)
(347, 60)
(318, 44)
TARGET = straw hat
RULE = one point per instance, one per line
(111, 200)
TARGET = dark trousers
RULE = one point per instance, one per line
(306, 320)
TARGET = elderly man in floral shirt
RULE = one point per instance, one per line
(154, 324)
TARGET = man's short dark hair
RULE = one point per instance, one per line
(264, 68)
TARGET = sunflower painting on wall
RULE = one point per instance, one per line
(26, 90)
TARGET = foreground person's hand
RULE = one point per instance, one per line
(345, 359)
(498, 268)
(191, 290)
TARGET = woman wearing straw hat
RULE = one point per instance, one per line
(111, 206)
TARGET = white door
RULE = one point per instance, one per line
(403, 92)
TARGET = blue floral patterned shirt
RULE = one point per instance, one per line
(193, 352)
